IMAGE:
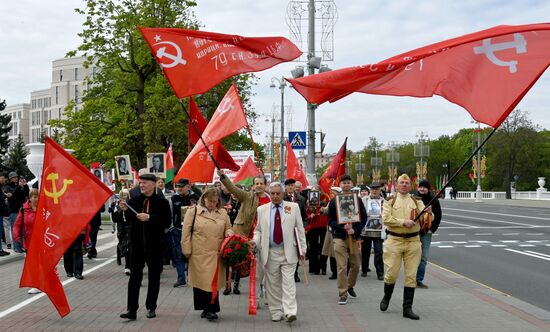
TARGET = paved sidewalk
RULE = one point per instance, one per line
(452, 303)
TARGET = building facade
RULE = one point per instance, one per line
(19, 121)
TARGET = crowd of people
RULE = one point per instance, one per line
(156, 226)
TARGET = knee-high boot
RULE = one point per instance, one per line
(408, 297)
(388, 291)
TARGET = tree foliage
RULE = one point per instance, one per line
(5, 128)
(16, 159)
(130, 107)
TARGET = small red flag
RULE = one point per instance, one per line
(335, 170)
(195, 61)
(247, 172)
(199, 167)
(293, 169)
(486, 72)
(69, 197)
(222, 156)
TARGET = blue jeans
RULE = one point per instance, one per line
(177, 255)
(426, 240)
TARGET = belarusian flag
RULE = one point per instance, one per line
(169, 165)
(245, 176)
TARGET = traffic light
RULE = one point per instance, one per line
(323, 142)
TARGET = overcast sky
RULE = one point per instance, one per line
(33, 33)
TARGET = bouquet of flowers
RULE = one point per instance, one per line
(237, 253)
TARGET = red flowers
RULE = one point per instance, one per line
(235, 249)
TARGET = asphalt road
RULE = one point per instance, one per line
(502, 246)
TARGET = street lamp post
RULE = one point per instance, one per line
(282, 85)
(479, 193)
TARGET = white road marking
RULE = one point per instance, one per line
(492, 227)
(460, 242)
(456, 234)
(472, 246)
(509, 241)
(535, 234)
(526, 245)
(483, 234)
(36, 297)
(529, 254)
(456, 223)
(498, 245)
(498, 214)
(538, 253)
(445, 246)
(481, 241)
(510, 234)
(534, 241)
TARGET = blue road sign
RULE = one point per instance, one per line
(297, 139)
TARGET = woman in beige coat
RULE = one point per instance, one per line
(204, 228)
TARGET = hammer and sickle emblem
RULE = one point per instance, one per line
(176, 59)
(55, 194)
(226, 105)
(519, 43)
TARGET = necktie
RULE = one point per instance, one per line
(278, 229)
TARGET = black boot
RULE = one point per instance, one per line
(388, 291)
(236, 288)
(408, 297)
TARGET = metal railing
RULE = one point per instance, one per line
(545, 195)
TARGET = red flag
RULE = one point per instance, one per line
(335, 170)
(199, 167)
(223, 157)
(486, 72)
(227, 119)
(293, 169)
(247, 173)
(95, 165)
(195, 61)
(169, 165)
(69, 197)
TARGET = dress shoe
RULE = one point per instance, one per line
(203, 314)
(130, 315)
(151, 314)
(324, 272)
(79, 276)
(291, 318)
(226, 291)
(332, 277)
(380, 277)
(236, 289)
(180, 284)
(296, 278)
(419, 284)
(368, 269)
(70, 275)
(364, 274)
(8, 246)
(211, 316)
(276, 318)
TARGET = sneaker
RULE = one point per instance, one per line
(34, 291)
(4, 253)
(419, 284)
(179, 284)
(343, 300)
(351, 293)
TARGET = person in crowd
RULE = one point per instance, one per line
(95, 225)
(346, 245)
(292, 196)
(204, 229)
(402, 244)
(316, 232)
(275, 236)
(72, 259)
(4, 210)
(181, 200)
(427, 230)
(328, 248)
(161, 185)
(147, 229)
(22, 229)
(16, 197)
(123, 231)
(246, 218)
(232, 207)
(372, 233)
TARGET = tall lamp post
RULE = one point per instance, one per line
(282, 85)
(479, 193)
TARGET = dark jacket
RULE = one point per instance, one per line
(15, 202)
(338, 231)
(436, 210)
(301, 201)
(179, 201)
(146, 237)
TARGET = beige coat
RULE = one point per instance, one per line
(290, 219)
(202, 249)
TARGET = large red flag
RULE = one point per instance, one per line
(69, 197)
(222, 156)
(486, 72)
(195, 61)
(335, 170)
(199, 167)
(227, 119)
(247, 173)
(293, 169)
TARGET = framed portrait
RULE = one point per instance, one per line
(123, 167)
(313, 198)
(156, 164)
(347, 208)
(98, 172)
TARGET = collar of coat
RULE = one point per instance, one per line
(202, 209)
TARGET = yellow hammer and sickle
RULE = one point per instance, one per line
(56, 194)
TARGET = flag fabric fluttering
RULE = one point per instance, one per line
(245, 176)
(486, 72)
(335, 170)
(293, 169)
(70, 195)
(169, 165)
(195, 61)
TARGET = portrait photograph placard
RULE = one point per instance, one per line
(347, 208)
(156, 164)
(123, 167)
(313, 198)
(98, 172)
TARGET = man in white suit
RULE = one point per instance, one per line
(275, 237)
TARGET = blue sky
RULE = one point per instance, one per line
(34, 33)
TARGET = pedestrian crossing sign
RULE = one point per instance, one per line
(297, 139)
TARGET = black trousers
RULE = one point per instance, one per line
(72, 259)
(316, 238)
(93, 240)
(202, 301)
(154, 267)
(366, 247)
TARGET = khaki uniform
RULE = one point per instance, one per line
(400, 247)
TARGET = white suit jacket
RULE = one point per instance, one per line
(290, 218)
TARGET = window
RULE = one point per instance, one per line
(94, 69)
(45, 117)
(57, 95)
(33, 103)
(76, 74)
(76, 96)
(60, 75)
(19, 115)
(40, 103)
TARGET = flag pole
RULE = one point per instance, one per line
(199, 133)
(436, 196)
(254, 146)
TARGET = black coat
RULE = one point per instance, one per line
(436, 209)
(301, 201)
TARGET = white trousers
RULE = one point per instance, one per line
(280, 285)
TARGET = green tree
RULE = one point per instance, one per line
(5, 128)
(16, 159)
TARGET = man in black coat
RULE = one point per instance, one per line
(426, 234)
(149, 217)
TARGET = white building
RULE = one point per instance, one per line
(19, 121)
(320, 160)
